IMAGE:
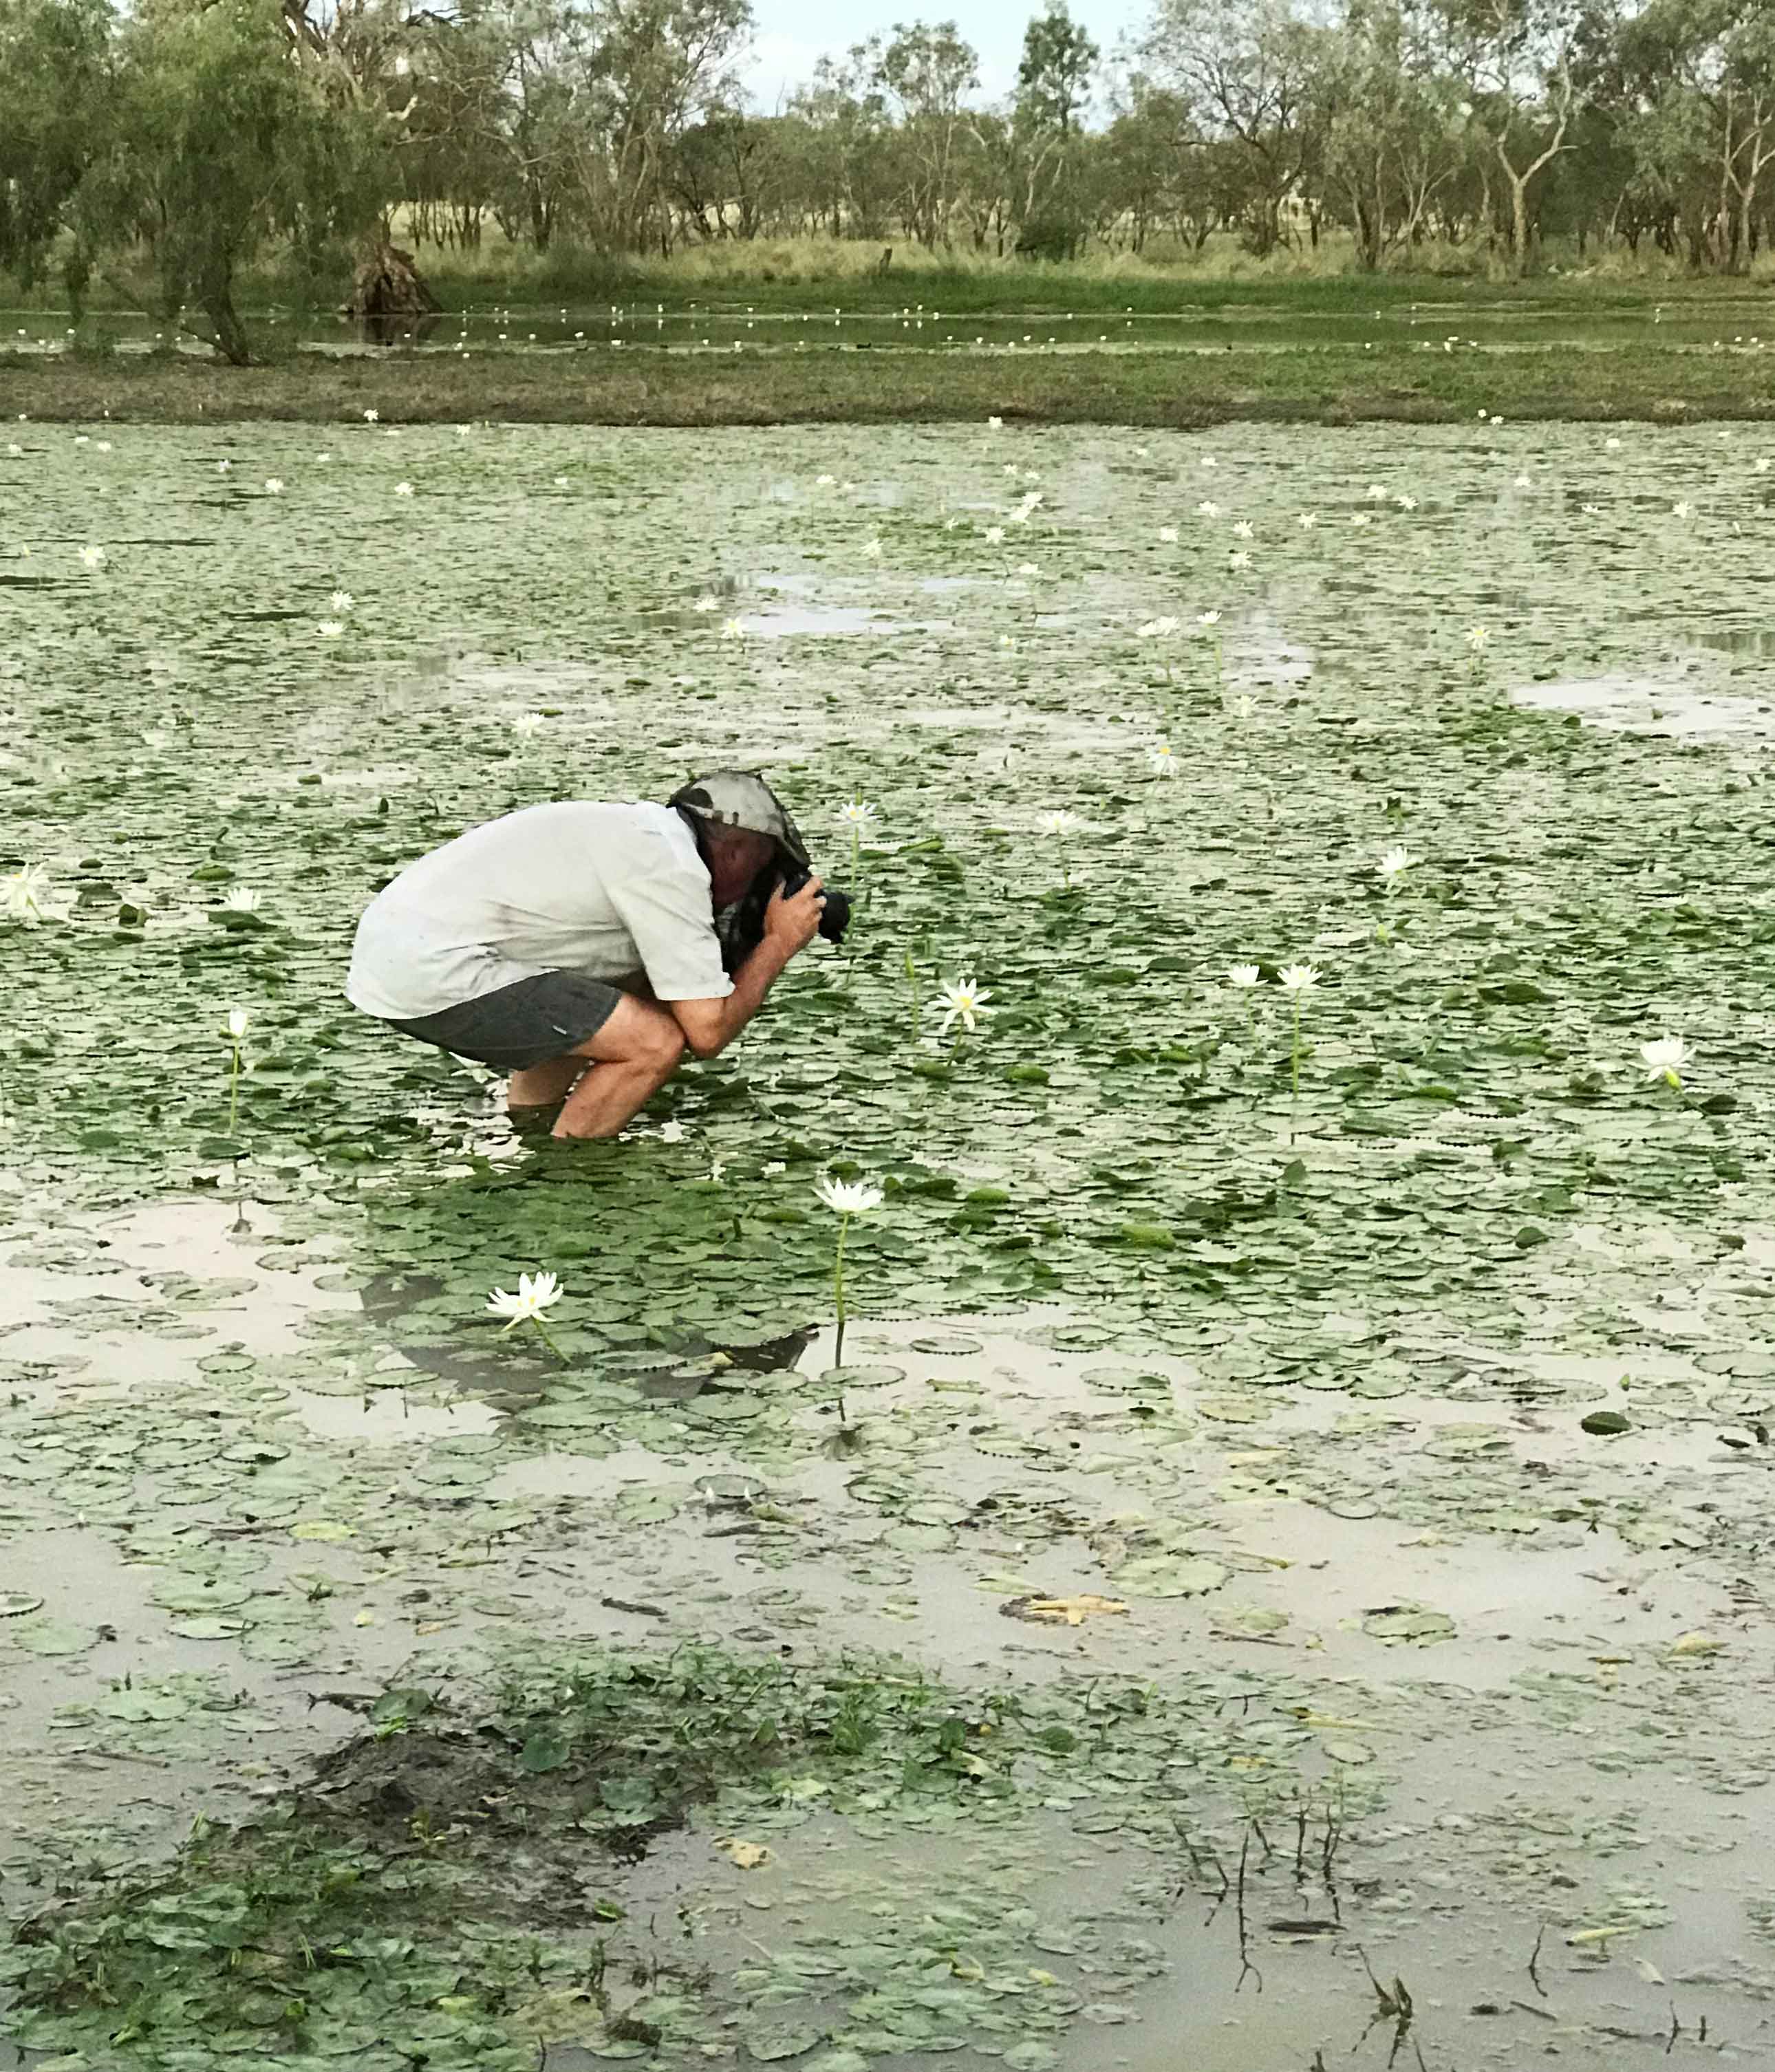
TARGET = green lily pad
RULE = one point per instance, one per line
(1169, 1575)
(51, 1636)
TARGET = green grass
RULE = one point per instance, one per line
(1329, 385)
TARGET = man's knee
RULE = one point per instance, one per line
(664, 1047)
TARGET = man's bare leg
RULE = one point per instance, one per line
(632, 1057)
(543, 1086)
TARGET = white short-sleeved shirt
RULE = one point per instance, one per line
(615, 891)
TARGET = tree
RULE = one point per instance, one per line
(1053, 85)
(219, 144)
(1517, 58)
(928, 71)
(1392, 127)
(1703, 75)
(1246, 77)
(54, 97)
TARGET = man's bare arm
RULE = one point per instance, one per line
(790, 925)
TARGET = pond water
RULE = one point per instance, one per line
(1374, 1473)
(1742, 325)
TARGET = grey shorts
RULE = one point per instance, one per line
(521, 1025)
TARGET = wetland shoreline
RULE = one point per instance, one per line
(1390, 382)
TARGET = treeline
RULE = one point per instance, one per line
(168, 143)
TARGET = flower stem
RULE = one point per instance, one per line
(1294, 1112)
(542, 1332)
(234, 1089)
(838, 1291)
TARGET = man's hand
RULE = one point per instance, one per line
(793, 923)
(790, 926)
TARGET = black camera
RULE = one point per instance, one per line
(835, 916)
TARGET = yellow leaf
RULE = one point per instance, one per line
(1697, 1643)
(1584, 1935)
(1043, 1978)
(966, 1967)
(364, 1618)
(749, 1855)
(1073, 1610)
(322, 1528)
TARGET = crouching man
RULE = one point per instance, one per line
(581, 947)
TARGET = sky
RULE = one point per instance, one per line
(792, 35)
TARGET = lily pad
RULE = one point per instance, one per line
(1169, 1575)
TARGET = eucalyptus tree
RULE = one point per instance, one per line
(925, 72)
(54, 62)
(1248, 75)
(1516, 61)
(217, 147)
(1391, 129)
(1054, 85)
(1701, 73)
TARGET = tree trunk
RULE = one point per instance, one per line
(230, 337)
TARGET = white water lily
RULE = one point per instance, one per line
(705, 602)
(342, 601)
(995, 536)
(872, 550)
(1244, 706)
(1161, 759)
(1682, 508)
(1306, 520)
(23, 895)
(94, 557)
(1238, 559)
(1477, 637)
(242, 900)
(1028, 569)
(965, 1001)
(1156, 629)
(1062, 822)
(403, 489)
(223, 467)
(732, 630)
(330, 629)
(371, 416)
(848, 1197)
(1244, 529)
(1665, 1058)
(1298, 978)
(1759, 465)
(527, 723)
(537, 1291)
(1612, 444)
(1376, 493)
(1395, 860)
(1406, 503)
(995, 424)
(825, 481)
(857, 813)
(672, 1131)
(1207, 618)
(274, 485)
(1243, 975)
(239, 1023)
(1168, 535)
(1207, 508)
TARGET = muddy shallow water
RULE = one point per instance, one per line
(1357, 1435)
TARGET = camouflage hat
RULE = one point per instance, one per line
(741, 799)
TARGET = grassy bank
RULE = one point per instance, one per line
(1398, 382)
